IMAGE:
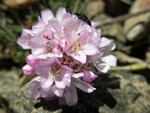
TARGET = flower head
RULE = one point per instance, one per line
(64, 50)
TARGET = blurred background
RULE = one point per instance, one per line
(125, 89)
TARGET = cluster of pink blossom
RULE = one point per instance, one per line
(64, 51)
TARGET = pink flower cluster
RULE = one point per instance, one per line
(64, 51)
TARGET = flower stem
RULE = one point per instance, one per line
(132, 67)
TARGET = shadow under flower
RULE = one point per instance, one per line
(88, 103)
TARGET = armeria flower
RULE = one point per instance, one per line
(64, 51)
(53, 72)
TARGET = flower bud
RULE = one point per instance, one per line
(31, 60)
(28, 70)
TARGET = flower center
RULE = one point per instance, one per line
(49, 46)
(76, 46)
(55, 70)
(71, 63)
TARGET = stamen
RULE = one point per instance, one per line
(54, 68)
(78, 34)
(46, 37)
(79, 45)
(56, 74)
(58, 71)
(51, 73)
(75, 42)
(77, 48)
(49, 68)
(73, 48)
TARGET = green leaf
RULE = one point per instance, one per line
(26, 79)
(16, 28)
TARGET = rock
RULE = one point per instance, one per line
(135, 28)
(95, 7)
(132, 97)
(148, 57)
(135, 31)
(14, 98)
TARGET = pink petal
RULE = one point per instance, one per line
(28, 70)
(68, 36)
(97, 56)
(107, 45)
(89, 49)
(37, 29)
(94, 24)
(103, 67)
(46, 81)
(65, 16)
(59, 82)
(42, 69)
(47, 92)
(78, 75)
(79, 56)
(24, 39)
(34, 88)
(71, 24)
(47, 15)
(31, 60)
(41, 22)
(33, 82)
(71, 96)
(56, 27)
(89, 76)
(55, 53)
(83, 86)
(84, 37)
(43, 66)
(60, 12)
(84, 27)
(36, 46)
(66, 74)
(110, 60)
(58, 92)
(35, 42)
(66, 69)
